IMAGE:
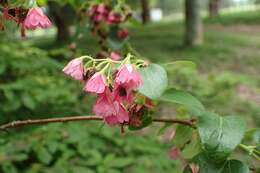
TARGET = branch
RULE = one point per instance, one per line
(20, 123)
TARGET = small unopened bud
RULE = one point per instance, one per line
(194, 168)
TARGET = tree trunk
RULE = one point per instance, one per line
(214, 6)
(145, 11)
(193, 21)
(61, 21)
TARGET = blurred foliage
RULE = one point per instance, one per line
(31, 83)
(216, 90)
(82, 148)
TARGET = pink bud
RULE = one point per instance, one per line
(114, 18)
(102, 9)
(96, 84)
(115, 56)
(128, 77)
(194, 168)
(36, 18)
(174, 153)
(123, 33)
(98, 18)
(75, 69)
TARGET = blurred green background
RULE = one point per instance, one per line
(32, 85)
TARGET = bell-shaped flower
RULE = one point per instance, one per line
(75, 69)
(111, 110)
(128, 77)
(122, 94)
(36, 18)
(96, 84)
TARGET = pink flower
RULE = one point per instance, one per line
(36, 18)
(128, 77)
(75, 69)
(114, 18)
(96, 84)
(123, 33)
(98, 18)
(115, 56)
(123, 94)
(174, 153)
(194, 168)
(111, 110)
(102, 9)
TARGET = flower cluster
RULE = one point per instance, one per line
(27, 18)
(115, 84)
(104, 13)
(104, 20)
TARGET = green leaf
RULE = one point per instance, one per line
(155, 81)
(235, 166)
(181, 97)
(28, 101)
(180, 63)
(183, 135)
(205, 165)
(220, 135)
(121, 162)
(9, 167)
(44, 155)
(164, 128)
(81, 169)
(252, 136)
(191, 149)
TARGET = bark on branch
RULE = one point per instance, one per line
(19, 123)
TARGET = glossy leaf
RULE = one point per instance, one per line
(183, 135)
(220, 135)
(192, 149)
(184, 98)
(155, 81)
(235, 166)
(205, 165)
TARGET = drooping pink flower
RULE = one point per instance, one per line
(122, 93)
(128, 77)
(174, 153)
(75, 69)
(96, 84)
(36, 18)
(111, 110)
(115, 56)
(123, 33)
